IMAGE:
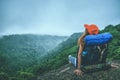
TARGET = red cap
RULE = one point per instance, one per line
(92, 29)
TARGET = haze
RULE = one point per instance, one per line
(56, 17)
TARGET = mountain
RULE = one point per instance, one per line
(69, 47)
(18, 52)
(54, 60)
(58, 56)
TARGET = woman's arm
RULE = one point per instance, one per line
(78, 70)
(79, 56)
(81, 45)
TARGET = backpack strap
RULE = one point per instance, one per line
(103, 52)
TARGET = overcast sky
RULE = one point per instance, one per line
(56, 17)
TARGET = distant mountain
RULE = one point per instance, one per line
(20, 51)
(45, 42)
(67, 44)
(59, 55)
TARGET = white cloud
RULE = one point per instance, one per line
(59, 17)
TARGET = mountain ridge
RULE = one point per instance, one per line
(69, 47)
(19, 52)
(53, 60)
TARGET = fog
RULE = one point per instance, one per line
(56, 17)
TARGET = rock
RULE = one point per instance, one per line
(66, 73)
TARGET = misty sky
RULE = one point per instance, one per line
(56, 17)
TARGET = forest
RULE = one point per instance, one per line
(21, 59)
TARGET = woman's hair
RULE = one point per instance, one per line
(81, 39)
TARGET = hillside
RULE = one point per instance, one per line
(47, 67)
(19, 52)
(58, 55)
(69, 47)
(66, 73)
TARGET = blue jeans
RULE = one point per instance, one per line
(72, 60)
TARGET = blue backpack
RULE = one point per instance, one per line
(96, 47)
(98, 39)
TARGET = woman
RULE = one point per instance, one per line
(89, 30)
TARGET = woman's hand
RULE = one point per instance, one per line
(78, 72)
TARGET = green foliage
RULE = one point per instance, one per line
(59, 56)
(22, 54)
(4, 76)
(26, 76)
(114, 45)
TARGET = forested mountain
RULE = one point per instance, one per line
(53, 59)
(18, 52)
(114, 45)
(70, 47)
